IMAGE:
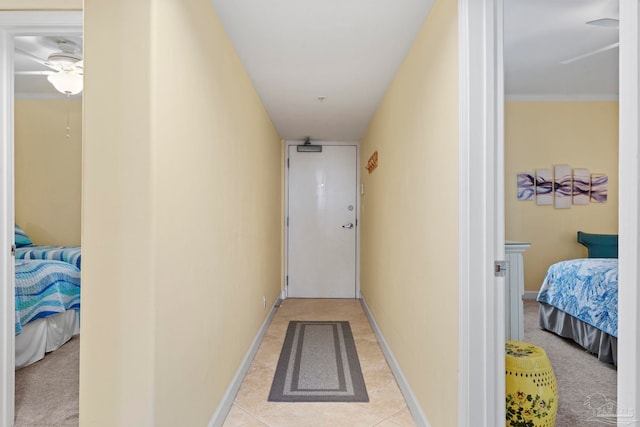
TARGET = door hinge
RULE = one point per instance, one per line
(287, 221)
(288, 160)
(356, 222)
(287, 281)
(13, 250)
(500, 268)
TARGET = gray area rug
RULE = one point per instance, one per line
(318, 363)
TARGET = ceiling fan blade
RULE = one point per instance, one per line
(588, 54)
(34, 73)
(78, 67)
(605, 22)
(35, 58)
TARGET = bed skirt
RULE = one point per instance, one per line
(45, 335)
(589, 337)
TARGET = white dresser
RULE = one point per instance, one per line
(514, 289)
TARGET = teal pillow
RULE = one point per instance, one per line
(21, 238)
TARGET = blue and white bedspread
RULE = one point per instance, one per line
(45, 288)
(70, 254)
(587, 289)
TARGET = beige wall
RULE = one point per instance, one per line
(542, 134)
(117, 351)
(410, 216)
(182, 214)
(48, 170)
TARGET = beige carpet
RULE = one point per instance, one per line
(584, 383)
(47, 391)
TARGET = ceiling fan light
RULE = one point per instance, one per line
(66, 82)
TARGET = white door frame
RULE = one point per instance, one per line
(481, 381)
(629, 215)
(481, 214)
(14, 24)
(287, 144)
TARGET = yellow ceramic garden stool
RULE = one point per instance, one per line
(532, 397)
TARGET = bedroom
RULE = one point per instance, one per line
(48, 144)
(568, 117)
(47, 188)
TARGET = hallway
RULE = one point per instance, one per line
(386, 406)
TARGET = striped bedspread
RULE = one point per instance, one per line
(70, 254)
(586, 289)
(44, 288)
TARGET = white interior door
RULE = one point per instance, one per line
(322, 215)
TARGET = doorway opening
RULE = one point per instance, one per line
(15, 28)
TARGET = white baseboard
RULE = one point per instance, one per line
(227, 400)
(414, 407)
(530, 295)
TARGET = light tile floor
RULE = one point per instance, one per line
(386, 406)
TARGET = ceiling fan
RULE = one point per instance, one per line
(603, 22)
(65, 67)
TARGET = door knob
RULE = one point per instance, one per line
(350, 225)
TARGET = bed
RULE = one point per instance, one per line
(47, 307)
(47, 298)
(68, 254)
(25, 249)
(579, 298)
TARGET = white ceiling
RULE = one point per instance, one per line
(539, 34)
(348, 51)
